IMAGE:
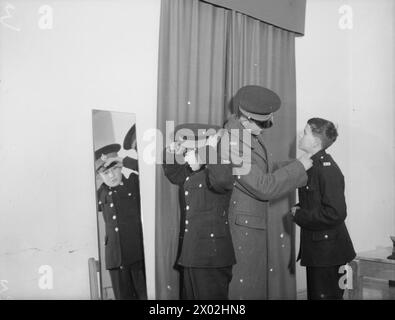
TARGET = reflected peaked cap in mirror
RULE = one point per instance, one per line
(102, 154)
(130, 138)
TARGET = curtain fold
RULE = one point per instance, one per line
(191, 88)
(206, 54)
(261, 54)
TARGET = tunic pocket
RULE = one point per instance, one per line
(250, 221)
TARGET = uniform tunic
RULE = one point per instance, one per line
(123, 242)
(248, 212)
(204, 241)
(325, 244)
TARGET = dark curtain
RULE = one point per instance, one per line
(191, 88)
(265, 55)
(206, 54)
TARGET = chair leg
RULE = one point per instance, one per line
(93, 266)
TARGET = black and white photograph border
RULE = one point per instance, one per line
(299, 92)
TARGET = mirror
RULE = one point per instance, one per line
(120, 235)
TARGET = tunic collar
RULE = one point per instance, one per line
(318, 156)
(234, 123)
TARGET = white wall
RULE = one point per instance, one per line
(98, 55)
(347, 76)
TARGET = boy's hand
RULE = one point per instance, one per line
(193, 160)
(111, 160)
(212, 141)
(294, 209)
(99, 181)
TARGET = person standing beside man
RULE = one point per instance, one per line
(266, 180)
(325, 244)
(205, 250)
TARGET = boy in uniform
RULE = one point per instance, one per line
(205, 253)
(119, 201)
(325, 244)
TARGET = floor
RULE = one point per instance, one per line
(373, 289)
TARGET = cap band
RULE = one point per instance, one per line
(255, 116)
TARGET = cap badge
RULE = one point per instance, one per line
(103, 157)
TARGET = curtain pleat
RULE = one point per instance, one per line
(191, 88)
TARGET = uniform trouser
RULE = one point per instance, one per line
(205, 283)
(323, 283)
(128, 282)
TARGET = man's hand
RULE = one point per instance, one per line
(176, 147)
(306, 161)
(294, 209)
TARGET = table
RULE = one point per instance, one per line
(372, 264)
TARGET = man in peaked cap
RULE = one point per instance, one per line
(265, 181)
(119, 201)
(205, 252)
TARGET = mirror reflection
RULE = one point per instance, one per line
(121, 252)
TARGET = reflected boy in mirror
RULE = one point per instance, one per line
(119, 201)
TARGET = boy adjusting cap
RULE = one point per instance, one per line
(108, 151)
